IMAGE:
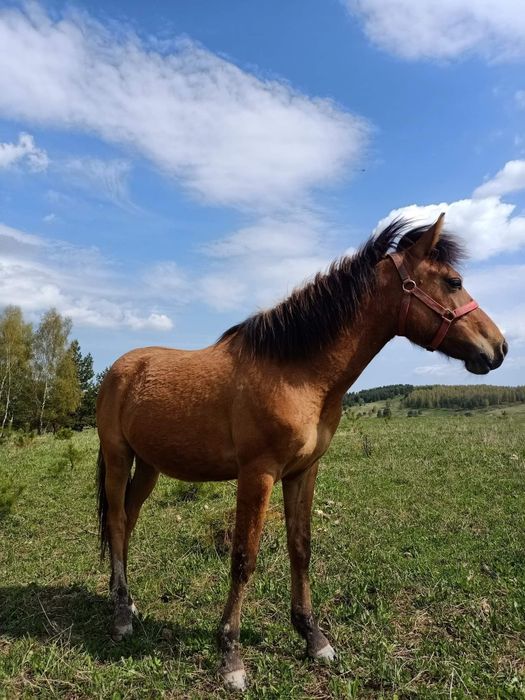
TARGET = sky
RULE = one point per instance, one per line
(168, 168)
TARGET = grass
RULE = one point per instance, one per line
(418, 573)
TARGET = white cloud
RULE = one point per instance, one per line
(269, 236)
(520, 98)
(24, 152)
(260, 264)
(106, 178)
(167, 278)
(511, 178)
(500, 290)
(488, 226)
(414, 29)
(229, 136)
(440, 369)
(223, 291)
(36, 274)
(254, 267)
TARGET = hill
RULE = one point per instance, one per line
(399, 397)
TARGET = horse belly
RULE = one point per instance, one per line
(191, 448)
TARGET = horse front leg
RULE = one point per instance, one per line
(253, 494)
(298, 494)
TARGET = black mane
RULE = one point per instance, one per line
(313, 315)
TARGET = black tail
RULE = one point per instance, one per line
(102, 504)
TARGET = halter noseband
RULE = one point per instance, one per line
(410, 289)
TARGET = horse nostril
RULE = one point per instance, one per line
(504, 348)
(485, 358)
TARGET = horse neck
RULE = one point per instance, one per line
(339, 365)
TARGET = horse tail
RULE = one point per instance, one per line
(102, 504)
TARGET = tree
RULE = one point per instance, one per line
(15, 352)
(84, 416)
(56, 384)
(83, 364)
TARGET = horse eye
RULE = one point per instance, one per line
(454, 282)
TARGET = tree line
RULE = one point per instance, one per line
(439, 396)
(45, 381)
(466, 397)
(379, 393)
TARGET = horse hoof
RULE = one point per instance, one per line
(235, 680)
(134, 610)
(327, 653)
(121, 631)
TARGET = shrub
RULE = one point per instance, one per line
(64, 434)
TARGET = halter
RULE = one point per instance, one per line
(410, 289)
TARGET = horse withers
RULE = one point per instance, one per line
(262, 404)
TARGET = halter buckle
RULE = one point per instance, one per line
(409, 285)
(448, 315)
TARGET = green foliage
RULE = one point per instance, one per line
(10, 492)
(15, 353)
(55, 378)
(64, 434)
(40, 384)
(380, 393)
(84, 366)
(85, 415)
(435, 397)
(461, 397)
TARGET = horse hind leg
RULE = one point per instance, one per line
(114, 479)
(144, 479)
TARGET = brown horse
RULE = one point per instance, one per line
(262, 404)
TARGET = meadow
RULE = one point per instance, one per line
(418, 572)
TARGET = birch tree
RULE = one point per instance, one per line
(56, 383)
(15, 353)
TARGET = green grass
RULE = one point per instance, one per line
(418, 573)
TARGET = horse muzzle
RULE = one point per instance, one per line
(482, 363)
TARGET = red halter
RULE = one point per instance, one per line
(410, 289)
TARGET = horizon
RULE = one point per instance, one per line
(167, 171)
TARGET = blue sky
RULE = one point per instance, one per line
(168, 168)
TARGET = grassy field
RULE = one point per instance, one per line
(418, 573)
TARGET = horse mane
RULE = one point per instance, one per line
(313, 315)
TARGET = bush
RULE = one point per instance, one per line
(9, 494)
(21, 438)
(64, 434)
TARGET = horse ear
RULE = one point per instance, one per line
(422, 247)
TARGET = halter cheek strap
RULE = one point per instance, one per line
(410, 290)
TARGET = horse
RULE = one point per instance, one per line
(262, 404)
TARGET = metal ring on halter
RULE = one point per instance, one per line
(409, 285)
(449, 315)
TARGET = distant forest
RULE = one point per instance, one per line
(480, 396)
(440, 396)
(379, 393)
